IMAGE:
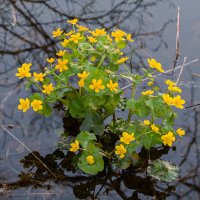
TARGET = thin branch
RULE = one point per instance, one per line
(7, 131)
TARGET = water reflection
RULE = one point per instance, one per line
(25, 28)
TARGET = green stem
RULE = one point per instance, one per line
(132, 96)
(38, 87)
(61, 100)
(101, 61)
(126, 68)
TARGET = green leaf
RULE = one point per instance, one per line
(158, 107)
(163, 171)
(86, 47)
(138, 107)
(98, 164)
(121, 44)
(36, 96)
(77, 107)
(85, 137)
(150, 139)
(46, 110)
(93, 122)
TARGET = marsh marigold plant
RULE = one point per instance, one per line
(82, 82)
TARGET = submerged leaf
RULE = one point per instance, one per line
(163, 171)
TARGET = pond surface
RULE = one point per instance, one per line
(25, 36)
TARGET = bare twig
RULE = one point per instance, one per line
(7, 131)
(181, 71)
(177, 39)
(166, 72)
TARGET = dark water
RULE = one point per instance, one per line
(25, 36)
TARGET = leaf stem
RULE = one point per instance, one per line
(101, 61)
(132, 96)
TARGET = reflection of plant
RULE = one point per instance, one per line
(94, 57)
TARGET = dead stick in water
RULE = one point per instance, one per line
(7, 131)
(177, 39)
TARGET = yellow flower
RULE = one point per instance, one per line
(74, 146)
(119, 52)
(118, 35)
(50, 60)
(98, 32)
(127, 138)
(154, 128)
(168, 139)
(167, 99)
(120, 150)
(57, 33)
(90, 159)
(92, 39)
(155, 65)
(122, 60)
(73, 21)
(69, 33)
(61, 53)
(84, 75)
(180, 132)
(75, 38)
(61, 66)
(150, 83)
(146, 122)
(93, 58)
(178, 102)
(38, 76)
(26, 66)
(48, 88)
(82, 28)
(174, 89)
(96, 85)
(109, 38)
(24, 104)
(128, 37)
(170, 83)
(64, 43)
(24, 71)
(36, 105)
(81, 83)
(112, 86)
(148, 92)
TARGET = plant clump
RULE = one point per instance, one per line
(92, 58)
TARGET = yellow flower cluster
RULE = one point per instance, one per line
(176, 101)
(168, 139)
(127, 138)
(74, 146)
(122, 60)
(120, 150)
(172, 86)
(62, 65)
(180, 132)
(148, 92)
(47, 89)
(153, 127)
(57, 32)
(82, 77)
(120, 35)
(38, 76)
(24, 105)
(24, 71)
(90, 159)
(96, 85)
(153, 63)
(112, 86)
